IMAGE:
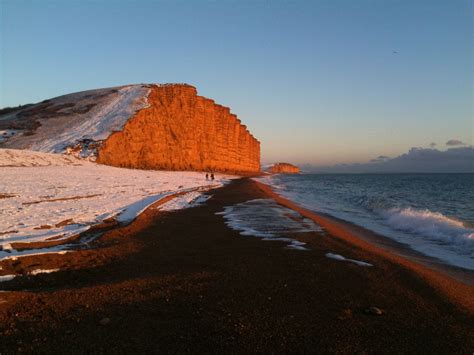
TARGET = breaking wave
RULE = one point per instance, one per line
(432, 225)
(423, 222)
(430, 213)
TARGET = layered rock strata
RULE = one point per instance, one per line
(180, 130)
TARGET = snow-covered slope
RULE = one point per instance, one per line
(16, 157)
(52, 197)
(74, 123)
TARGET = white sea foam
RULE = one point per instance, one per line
(265, 219)
(382, 204)
(433, 225)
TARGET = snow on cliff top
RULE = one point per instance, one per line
(65, 121)
(51, 196)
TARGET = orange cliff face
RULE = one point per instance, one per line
(284, 168)
(182, 131)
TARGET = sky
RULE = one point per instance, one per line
(317, 82)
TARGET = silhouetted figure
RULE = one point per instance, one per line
(212, 176)
(207, 176)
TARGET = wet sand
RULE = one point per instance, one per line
(183, 282)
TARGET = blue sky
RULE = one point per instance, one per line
(316, 81)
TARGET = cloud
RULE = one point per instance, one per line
(432, 144)
(454, 142)
(380, 158)
(416, 160)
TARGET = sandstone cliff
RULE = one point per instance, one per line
(180, 130)
(283, 168)
(137, 126)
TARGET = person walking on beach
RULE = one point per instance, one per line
(207, 176)
(212, 176)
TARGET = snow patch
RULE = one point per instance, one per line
(190, 199)
(22, 158)
(62, 199)
(42, 271)
(342, 258)
(15, 254)
(5, 278)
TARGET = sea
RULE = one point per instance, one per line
(430, 213)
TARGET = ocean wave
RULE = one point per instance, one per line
(372, 203)
(415, 210)
(431, 225)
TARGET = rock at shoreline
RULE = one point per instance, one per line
(283, 168)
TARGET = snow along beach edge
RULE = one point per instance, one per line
(51, 197)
